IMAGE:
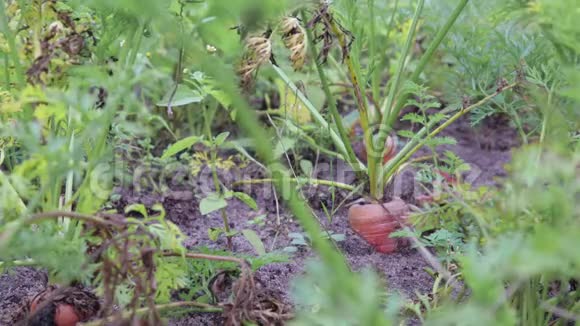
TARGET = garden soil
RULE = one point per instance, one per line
(487, 147)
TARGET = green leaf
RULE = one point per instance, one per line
(169, 235)
(212, 203)
(219, 140)
(222, 97)
(326, 212)
(438, 141)
(231, 233)
(246, 199)
(437, 117)
(290, 249)
(338, 237)
(138, 208)
(306, 167)
(297, 239)
(258, 220)
(283, 145)
(414, 117)
(406, 133)
(255, 241)
(214, 233)
(228, 194)
(181, 145)
(268, 258)
(183, 95)
(159, 208)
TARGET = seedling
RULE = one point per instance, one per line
(303, 240)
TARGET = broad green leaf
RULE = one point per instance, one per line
(228, 194)
(338, 237)
(219, 140)
(255, 241)
(297, 239)
(299, 242)
(183, 95)
(222, 97)
(258, 220)
(181, 145)
(159, 208)
(246, 199)
(231, 233)
(138, 208)
(290, 249)
(306, 167)
(290, 105)
(214, 233)
(212, 203)
(283, 145)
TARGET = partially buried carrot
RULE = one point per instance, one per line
(375, 223)
(63, 307)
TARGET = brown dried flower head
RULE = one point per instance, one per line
(294, 38)
(327, 30)
(258, 51)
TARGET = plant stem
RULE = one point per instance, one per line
(271, 112)
(167, 306)
(546, 114)
(68, 193)
(192, 255)
(300, 180)
(351, 156)
(12, 44)
(559, 312)
(98, 150)
(338, 142)
(373, 50)
(24, 262)
(10, 229)
(519, 127)
(6, 70)
(414, 145)
(385, 127)
(213, 155)
(397, 79)
(36, 218)
(361, 102)
(376, 81)
(312, 142)
(441, 34)
(389, 119)
(137, 44)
